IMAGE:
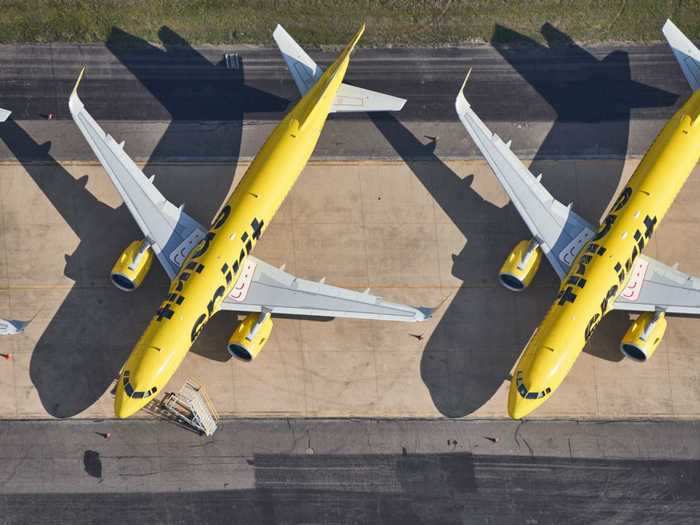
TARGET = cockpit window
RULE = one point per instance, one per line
(136, 394)
(525, 393)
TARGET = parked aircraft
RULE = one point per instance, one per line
(601, 268)
(212, 269)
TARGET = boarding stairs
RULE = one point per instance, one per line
(193, 407)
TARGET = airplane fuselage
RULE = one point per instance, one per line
(607, 263)
(213, 266)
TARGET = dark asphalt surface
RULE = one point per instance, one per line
(429, 489)
(524, 81)
(394, 472)
(553, 100)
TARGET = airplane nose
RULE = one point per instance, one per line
(517, 410)
(124, 407)
(518, 407)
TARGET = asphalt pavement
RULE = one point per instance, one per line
(325, 471)
(172, 101)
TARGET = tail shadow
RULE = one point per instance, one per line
(483, 330)
(88, 339)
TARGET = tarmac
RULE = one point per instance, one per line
(348, 472)
(424, 233)
(400, 204)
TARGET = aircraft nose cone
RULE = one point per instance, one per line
(518, 407)
(517, 410)
(122, 406)
(125, 407)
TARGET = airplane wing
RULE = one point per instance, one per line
(171, 232)
(262, 286)
(306, 73)
(560, 232)
(654, 286)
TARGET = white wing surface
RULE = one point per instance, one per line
(655, 286)
(262, 286)
(560, 232)
(171, 232)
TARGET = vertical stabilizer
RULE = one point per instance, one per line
(303, 69)
(687, 55)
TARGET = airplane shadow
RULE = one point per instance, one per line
(484, 329)
(86, 342)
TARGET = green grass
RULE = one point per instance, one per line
(332, 22)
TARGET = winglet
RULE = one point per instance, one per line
(74, 103)
(425, 312)
(461, 103)
(77, 82)
(464, 84)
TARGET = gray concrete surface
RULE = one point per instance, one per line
(421, 232)
(400, 472)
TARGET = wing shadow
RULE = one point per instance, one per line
(82, 349)
(483, 330)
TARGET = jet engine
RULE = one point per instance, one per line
(642, 338)
(250, 336)
(520, 267)
(132, 266)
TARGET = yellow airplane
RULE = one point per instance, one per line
(601, 268)
(213, 270)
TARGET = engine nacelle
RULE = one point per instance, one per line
(520, 267)
(132, 266)
(250, 336)
(643, 337)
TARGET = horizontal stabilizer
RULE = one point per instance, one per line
(687, 55)
(4, 114)
(306, 73)
(352, 98)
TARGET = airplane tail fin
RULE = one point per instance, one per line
(306, 73)
(687, 55)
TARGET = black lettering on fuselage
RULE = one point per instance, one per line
(166, 310)
(228, 272)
